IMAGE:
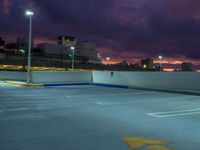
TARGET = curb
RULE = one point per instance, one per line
(110, 85)
(21, 84)
(65, 84)
(105, 85)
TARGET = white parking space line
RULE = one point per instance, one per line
(149, 100)
(175, 113)
(13, 109)
(110, 94)
(26, 102)
(126, 103)
(25, 96)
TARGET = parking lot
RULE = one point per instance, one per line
(88, 117)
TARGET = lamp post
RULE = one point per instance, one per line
(72, 48)
(161, 58)
(107, 59)
(29, 14)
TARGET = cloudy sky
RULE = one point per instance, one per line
(121, 29)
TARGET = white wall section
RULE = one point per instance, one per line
(151, 80)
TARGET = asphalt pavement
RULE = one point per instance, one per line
(87, 117)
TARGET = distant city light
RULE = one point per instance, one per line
(160, 57)
(144, 66)
(107, 58)
(72, 48)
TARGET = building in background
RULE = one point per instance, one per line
(66, 41)
(99, 57)
(22, 43)
(123, 63)
(88, 49)
(84, 52)
(53, 50)
(147, 64)
(186, 66)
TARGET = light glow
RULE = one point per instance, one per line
(168, 69)
(72, 47)
(160, 57)
(29, 13)
(144, 66)
(108, 58)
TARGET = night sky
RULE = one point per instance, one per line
(121, 29)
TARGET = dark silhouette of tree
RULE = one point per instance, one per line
(11, 46)
(36, 50)
(2, 42)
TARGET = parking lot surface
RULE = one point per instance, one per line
(97, 118)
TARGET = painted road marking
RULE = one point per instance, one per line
(137, 143)
(14, 96)
(126, 103)
(137, 101)
(13, 109)
(108, 95)
(175, 113)
(27, 102)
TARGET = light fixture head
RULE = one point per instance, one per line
(72, 47)
(107, 58)
(29, 13)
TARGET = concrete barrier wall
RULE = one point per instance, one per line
(151, 80)
(48, 76)
(13, 75)
(61, 76)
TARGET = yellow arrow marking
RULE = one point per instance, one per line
(135, 143)
(157, 147)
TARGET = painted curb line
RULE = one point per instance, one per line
(110, 85)
(64, 84)
(21, 84)
(196, 93)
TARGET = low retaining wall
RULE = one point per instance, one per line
(147, 80)
(61, 76)
(49, 76)
(150, 80)
(13, 75)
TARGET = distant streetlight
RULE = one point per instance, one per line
(72, 48)
(161, 59)
(145, 66)
(107, 59)
(29, 14)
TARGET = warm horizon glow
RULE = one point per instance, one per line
(168, 69)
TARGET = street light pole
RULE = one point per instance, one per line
(72, 48)
(107, 59)
(161, 58)
(29, 13)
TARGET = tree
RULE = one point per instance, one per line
(2, 42)
(11, 46)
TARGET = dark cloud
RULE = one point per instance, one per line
(127, 28)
